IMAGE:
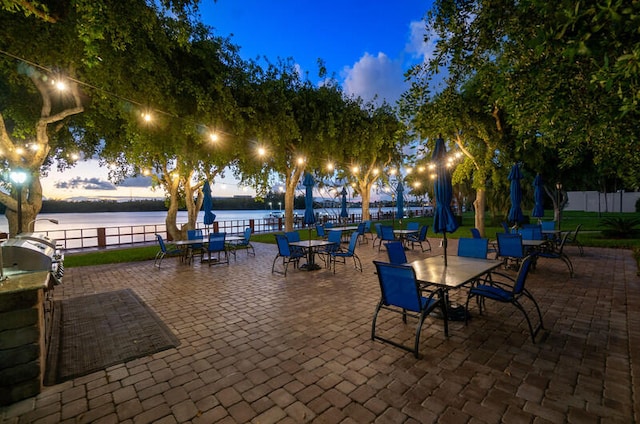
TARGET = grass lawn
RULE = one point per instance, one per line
(590, 235)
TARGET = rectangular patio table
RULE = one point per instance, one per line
(346, 231)
(184, 244)
(311, 246)
(402, 235)
(458, 272)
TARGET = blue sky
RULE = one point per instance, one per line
(366, 45)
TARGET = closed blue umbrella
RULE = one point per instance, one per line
(207, 205)
(515, 212)
(538, 195)
(400, 201)
(443, 219)
(309, 215)
(343, 211)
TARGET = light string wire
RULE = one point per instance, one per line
(106, 92)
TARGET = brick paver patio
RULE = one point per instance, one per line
(264, 348)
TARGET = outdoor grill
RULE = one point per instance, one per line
(32, 252)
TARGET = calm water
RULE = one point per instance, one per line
(73, 221)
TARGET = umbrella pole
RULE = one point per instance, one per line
(444, 244)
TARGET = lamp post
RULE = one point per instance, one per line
(558, 199)
(19, 177)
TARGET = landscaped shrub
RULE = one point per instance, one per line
(619, 227)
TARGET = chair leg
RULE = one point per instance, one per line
(423, 315)
(375, 318)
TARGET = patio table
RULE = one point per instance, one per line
(459, 271)
(311, 246)
(402, 235)
(184, 244)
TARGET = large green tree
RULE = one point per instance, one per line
(71, 43)
(294, 126)
(558, 71)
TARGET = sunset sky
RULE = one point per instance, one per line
(366, 45)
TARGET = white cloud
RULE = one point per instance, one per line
(373, 76)
(417, 47)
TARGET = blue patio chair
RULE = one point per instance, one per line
(320, 231)
(244, 244)
(572, 239)
(473, 247)
(217, 246)
(165, 251)
(395, 250)
(492, 248)
(294, 236)
(532, 232)
(386, 234)
(548, 225)
(196, 248)
(328, 225)
(335, 236)
(413, 226)
(367, 228)
(349, 253)
(420, 238)
(558, 253)
(401, 293)
(288, 256)
(510, 248)
(362, 236)
(510, 291)
(378, 236)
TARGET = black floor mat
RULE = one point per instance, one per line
(90, 333)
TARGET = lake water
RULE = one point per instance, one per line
(72, 221)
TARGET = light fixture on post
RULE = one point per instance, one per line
(19, 177)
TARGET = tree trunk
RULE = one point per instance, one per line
(291, 182)
(480, 204)
(365, 194)
(172, 214)
(31, 204)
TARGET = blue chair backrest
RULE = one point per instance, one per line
(413, 226)
(387, 232)
(361, 229)
(367, 226)
(194, 234)
(163, 246)
(475, 233)
(335, 236)
(352, 243)
(422, 236)
(328, 225)
(283, 245)
(396, 253)
(320, 231)
(509, 245)
(247, 234)
(531, 233)
(548, 225)
(473, 247)
(292, 236)
(522, 275)
(398, 286)
(216, 242)
(378, 228)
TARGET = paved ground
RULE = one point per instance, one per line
(263, 348)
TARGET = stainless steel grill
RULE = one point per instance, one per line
(33, 252)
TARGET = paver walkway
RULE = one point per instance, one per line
(260, 347)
